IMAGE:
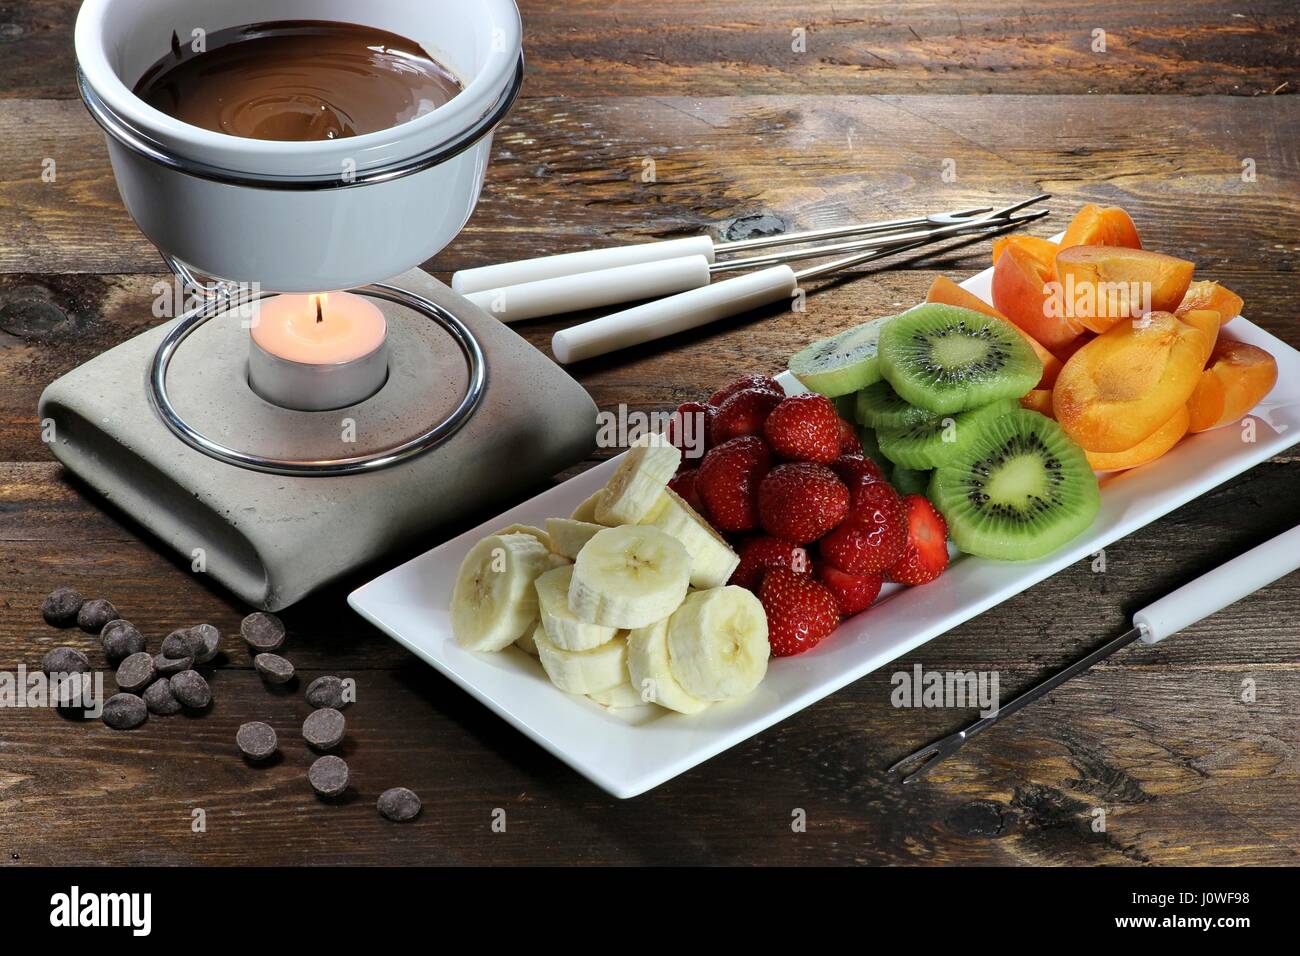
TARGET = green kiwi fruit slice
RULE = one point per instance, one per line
(938, 440)
(842, 363)
(880, 407)
(907, 481)
(946, 359)
(1018, 491)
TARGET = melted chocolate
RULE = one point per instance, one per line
(297, 80)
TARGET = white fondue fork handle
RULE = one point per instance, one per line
(571, 263)
(590, 290)
(686, 310)
(1216, 589)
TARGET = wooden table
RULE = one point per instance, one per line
(860, 124)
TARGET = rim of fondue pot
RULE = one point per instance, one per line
(117, 40)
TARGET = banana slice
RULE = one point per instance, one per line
(537, 533)
(494, 600)
(712, 559)
(587, 510)
(583, 672)
(629, 577)
(563, 628)
(639, 480)
(568, 536)
(717, 643)
(525, 643)
(624, 695)
(651, 672)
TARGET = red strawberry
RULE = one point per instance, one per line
(689, 428)
(743, 413)
(684, 484)
(748, 381)
(761, 552)
(728, 479)
(872, 537)
(801, 501)
(852, 592)
(850, 444)
(804, 428)
(857, 470)
(926, 553)
(800, 612)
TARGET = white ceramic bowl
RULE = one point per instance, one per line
(300, 217)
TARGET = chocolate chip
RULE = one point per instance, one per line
(72, 691)
(399, 804)
(329, 776)
(191, 689)
(166, 666)
(257, 741)
(323, 729)
(207, 642)
(136, 672)
(160, 699)
(94, 614)
(121, 639)
(273, 668)
(124, 711)
(178, 645)
(60, 607)
(326, 692)
(262, 631)
(65, 660)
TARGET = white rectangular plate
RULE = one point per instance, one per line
(629, 752)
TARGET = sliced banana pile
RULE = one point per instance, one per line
(626, 601)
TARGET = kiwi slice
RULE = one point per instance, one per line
(842, 363)
(880, 407)
(937, 440)
(1018, 491)
(908, 481)
(946, 359)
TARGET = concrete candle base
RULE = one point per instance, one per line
(272, 539)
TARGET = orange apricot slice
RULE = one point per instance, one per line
(1020, 275)
(1207, 320)
(1097, 226)
(1128, 381)
(1039, 400)
(1099, 285)
(1148, 449)
(1244, 375)
(944, 290)
(1210, 295)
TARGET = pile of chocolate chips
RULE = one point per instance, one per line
(167, 683)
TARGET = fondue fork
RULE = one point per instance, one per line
(1206, 595)
(592, 260)
(699, 306)
(651, 280)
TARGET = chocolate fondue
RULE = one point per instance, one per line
(297, 80)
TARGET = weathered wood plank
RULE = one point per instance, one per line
(592, 47)
(569, 174)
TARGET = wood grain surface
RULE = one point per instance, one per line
(859, 126)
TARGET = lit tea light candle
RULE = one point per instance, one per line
(317, 352)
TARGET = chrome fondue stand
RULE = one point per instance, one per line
(273, 502)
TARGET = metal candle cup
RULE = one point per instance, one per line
(317, 352)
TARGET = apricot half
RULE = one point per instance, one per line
(1099, 285)
(1207, 320)
(946, 291)
(1021, 271)
(1148, 449)
(1097, 226)
(1039, 400)
(1238, 376)
(1211, 295)
(1128, 381)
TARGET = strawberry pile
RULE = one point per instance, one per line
(817, 528)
